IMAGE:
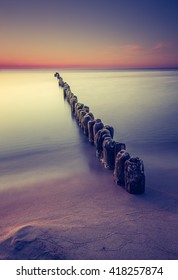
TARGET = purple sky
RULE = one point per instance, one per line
(95, 33)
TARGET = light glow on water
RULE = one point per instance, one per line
(33, 114)
(39, 139)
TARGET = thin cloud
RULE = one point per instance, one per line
(134, 49)
(163, 46)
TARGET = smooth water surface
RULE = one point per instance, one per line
(39, 138)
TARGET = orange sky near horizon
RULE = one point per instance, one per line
(110, 56)
(111, 35)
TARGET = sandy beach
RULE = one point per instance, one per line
(81, 216)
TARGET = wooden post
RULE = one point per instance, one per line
(73, 101)
(121, 157)
(99, 138)
(109, 153)
(97, 126)
(78, 106)
(119, 147)
(134, 176)
(84, 122)
(90, 129)
(111, 129)
(81, 114)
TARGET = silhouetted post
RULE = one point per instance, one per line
(120, 160)
(110, 150)
(90, 129)
(134, 176)
(84, 122)
(69, 95)
(56, 75)
(61, 82)
(78, 114)
(66, 87)
(73, 101)
(109, 153)
(84, 109)
(82, 113)
(111, 129)
(97, 126)
(119, 147)
(78, 106)
(99, 138)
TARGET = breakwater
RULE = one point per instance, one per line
(128, 171)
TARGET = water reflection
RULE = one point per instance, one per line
(33, 112)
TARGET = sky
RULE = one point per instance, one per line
(88, 34)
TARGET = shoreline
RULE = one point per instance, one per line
(97, 223)
(87, 217)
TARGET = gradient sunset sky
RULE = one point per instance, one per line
(90, 34)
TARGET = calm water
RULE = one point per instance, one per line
(40, 140)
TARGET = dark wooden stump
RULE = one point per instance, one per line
(120, 160)
(109, 153)
(73, 101)
(97, 126)
(134, 176)
(84, 123)
(90, 129)
(99, 138)
(111, 129)
(78, 106)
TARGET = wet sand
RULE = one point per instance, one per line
(85, 215)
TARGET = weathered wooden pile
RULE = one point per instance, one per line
(128, 171)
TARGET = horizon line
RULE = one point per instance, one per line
(39, 67)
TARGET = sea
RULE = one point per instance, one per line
(40, 139)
